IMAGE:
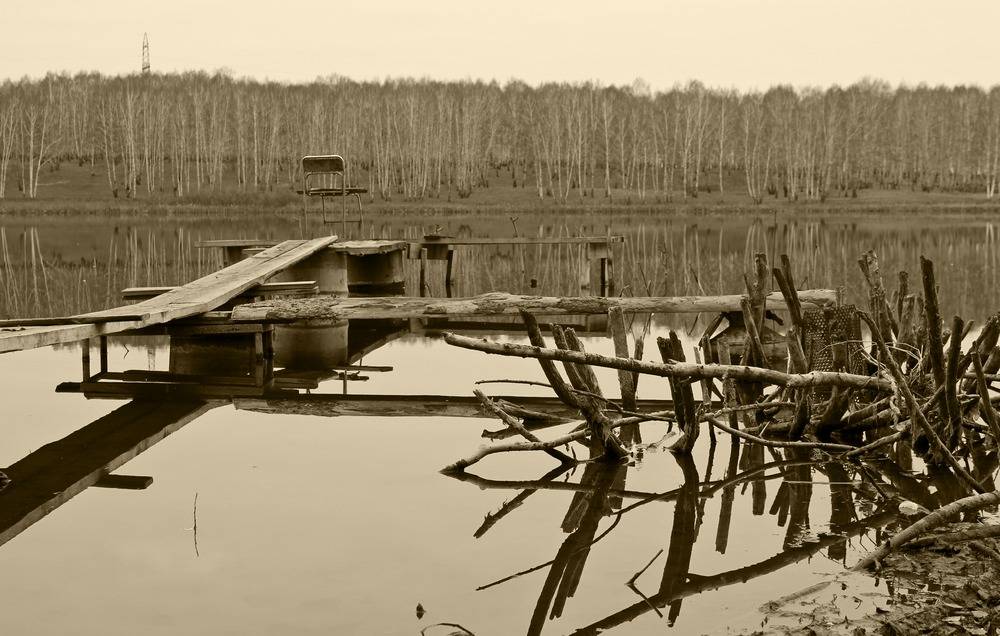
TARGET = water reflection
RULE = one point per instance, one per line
(813, 507)
(52, 475)
(662, 255)
(284, 371)
(597, 510)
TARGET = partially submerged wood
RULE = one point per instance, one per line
(328, 308)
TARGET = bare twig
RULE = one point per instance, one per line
(915, 412)
(775, 443)
(517, 426)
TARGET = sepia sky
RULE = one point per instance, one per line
(744, 44)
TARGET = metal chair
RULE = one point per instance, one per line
(324, 176)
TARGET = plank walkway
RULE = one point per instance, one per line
(196, 297)
(233, 249)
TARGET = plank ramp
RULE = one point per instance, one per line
(196, 297)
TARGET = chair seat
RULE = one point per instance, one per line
(334, 192)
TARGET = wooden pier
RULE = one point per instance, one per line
(197, 297)
(256, 269)
(600, 254)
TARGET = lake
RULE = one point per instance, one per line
(265, 517)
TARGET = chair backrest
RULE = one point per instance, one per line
(322, 172)
(322, 163)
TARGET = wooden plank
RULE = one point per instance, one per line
(327, 308)
(523, 240)
(364, 248)
(236, 243)
(165, 390)
(290, 287)
(57, 472)
(22, 338)
(213, 290)
(359, 247)
(438, 246)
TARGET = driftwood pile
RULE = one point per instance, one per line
(909, 389)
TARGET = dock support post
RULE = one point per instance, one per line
(85, 344)
(423, 270)
(447, 272)
(599, 280)
(104, 354)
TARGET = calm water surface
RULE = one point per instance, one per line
(271, 523)
(311, 524)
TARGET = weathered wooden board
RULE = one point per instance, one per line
(525, 240)
(213, 290)
(324, 308)
(437, 246)
(264, 289)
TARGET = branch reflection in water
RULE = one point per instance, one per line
(599, 499)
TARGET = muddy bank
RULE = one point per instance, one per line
(935, 587)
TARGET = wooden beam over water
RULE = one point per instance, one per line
(328, 308)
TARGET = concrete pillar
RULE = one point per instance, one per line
(370, 272)
(310, 348)
(327, 267)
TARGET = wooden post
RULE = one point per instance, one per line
(447, 274)
(597, 254)
(85, 346)
(104, 354)
(423, 270)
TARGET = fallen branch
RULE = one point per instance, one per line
(926, 524)
(677, 369)
(949, 538)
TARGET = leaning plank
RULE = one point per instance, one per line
(213, 290)
(264, 289)
(324, 308)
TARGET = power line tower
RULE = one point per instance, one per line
(145, 55)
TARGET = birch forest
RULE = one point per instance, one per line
(176, 134)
